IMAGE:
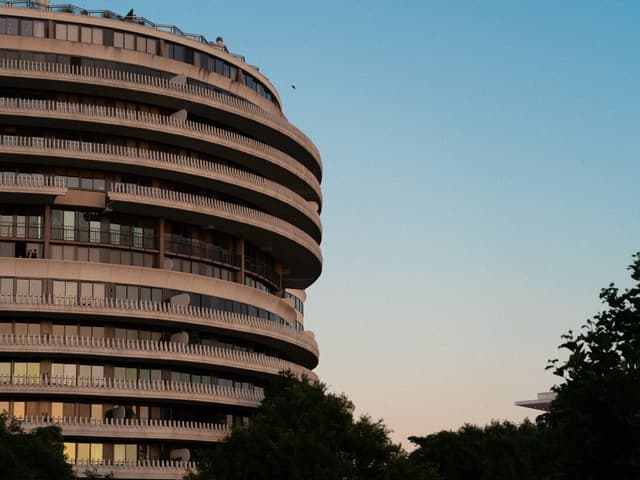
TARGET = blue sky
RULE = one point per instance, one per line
(481, 184)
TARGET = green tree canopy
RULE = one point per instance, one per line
(595, 419)
(38, 455)
(499, 451)
(301, 432)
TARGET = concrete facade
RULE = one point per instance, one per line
(159, 224)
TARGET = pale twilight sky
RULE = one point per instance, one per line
(481, 184)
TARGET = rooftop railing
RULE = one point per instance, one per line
(69, 8)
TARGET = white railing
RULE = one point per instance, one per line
(165, 160)
(216, 207)
(121, 386)
(166, 350)
(20, 67)
(31, 180)
(183, 313)
(187, 127)
(141, 423)
(143, 469)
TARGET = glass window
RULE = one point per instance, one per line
(84, 452)
(97, 451)
(119, 453)
(141, 43)
(18, 409)
(6, 286)
(73, 32)
(118, 39)
(107, 37)
(97, 36)
(61, 31)
(129, 41)
(56, 409)
(152, 46)
(131, 452)
(86, 34)
(96, 411)
(69, 224)
(26, 28)
(70, 451)
(39, 29)
(3, 26)
(5, 369)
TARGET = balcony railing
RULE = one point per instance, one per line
(185, 314)
(164, 160)
(166, 350)
(69, 8)
(140, 469)
(119, 387)
(187, 127)
(131, 427)
(212, 206)
(32, 183)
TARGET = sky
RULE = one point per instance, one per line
(480, 184)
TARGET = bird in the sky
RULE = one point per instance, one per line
(293, 86)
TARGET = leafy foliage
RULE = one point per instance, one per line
(595, 419)
(38, 455)
(302, 432)
(499, 451)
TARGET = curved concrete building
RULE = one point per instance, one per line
(159, 223)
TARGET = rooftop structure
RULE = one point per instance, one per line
(542, 402)
(159, 224)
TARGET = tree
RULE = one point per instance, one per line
(302, 432)
(595, 418)
(38, 455)
(499, 451)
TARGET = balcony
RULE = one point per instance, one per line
(160, 390)
(233, 181)
(139, 469)
(200, 355)
(131, 428)
(237, 148)
(300, 345)
(299, 252)
(30, 188)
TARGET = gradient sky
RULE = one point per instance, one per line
(481, 184)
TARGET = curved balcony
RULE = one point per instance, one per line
(255, 188)
(298, 344)
(253, 154)
(201, 355)
(131, 428)
(159, 390)
(284, 240)
(173, 94)
(30, 188)
(139, 469)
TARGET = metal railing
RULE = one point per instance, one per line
(31, 180)
(186, 127)
(202, 204)
(211, 317)
(122, 154)
(121, 386)
(69, 8)
(167, 350)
